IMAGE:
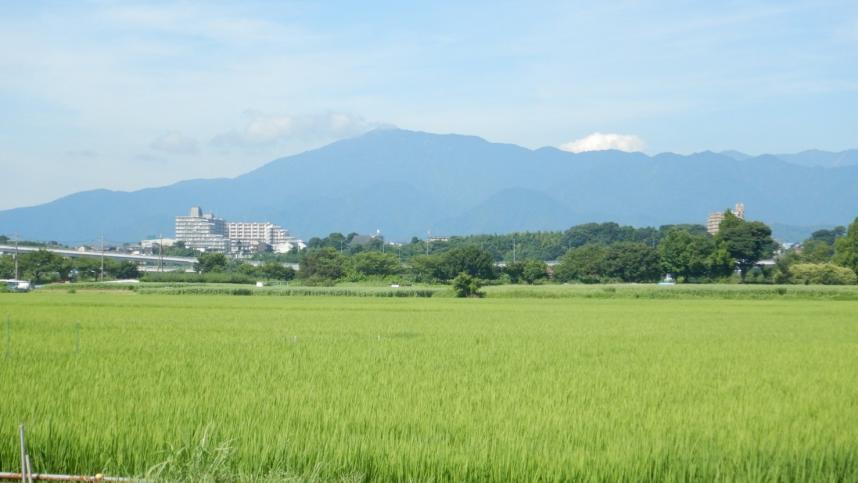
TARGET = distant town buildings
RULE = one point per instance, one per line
(715, 218)
(203, 231)
(154, 243)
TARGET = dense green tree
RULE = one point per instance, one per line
(692, 229)
(632, 262)
(622, 261)
(465, 285)
(276, 271)
(472, 260)
(587, 264)
(821, 274)
(747, 242)
(528, 271)
(534, 271)
(684, 254)
(608, 233)
(211, 262)
(817, 251)
(87, 268)
(375, 264)
(427, 268)
(324, 263)
(43, 266)
(514, 270)
(244, 268)
(827, 236)
(124, 270)
(846, 248)
(7, 266)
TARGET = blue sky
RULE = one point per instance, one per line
(125, 95)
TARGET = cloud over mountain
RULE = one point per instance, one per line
(605, 141)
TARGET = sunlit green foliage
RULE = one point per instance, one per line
(624, 389)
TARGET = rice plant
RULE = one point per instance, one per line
(225, 388)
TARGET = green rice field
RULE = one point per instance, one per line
(505, 388)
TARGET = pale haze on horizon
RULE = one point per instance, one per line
(125, 95)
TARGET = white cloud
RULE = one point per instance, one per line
(174, 142)
(604, 141)
(266, 129)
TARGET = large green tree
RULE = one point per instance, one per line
(587, 264)
(7, 266)
(846, 248)
(324, 263)
(528, 271)
(472, 260)
(375, 264)
(827, 236)
(816, 251)
(632, 262)
(124, 270)
(747, 242)
(211, 262)
(276, 271)
(684, 254)
(43, 266)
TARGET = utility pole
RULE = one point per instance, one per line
(102, 257)
(16, 256)
(428, 239)
(513, 249)
(161, 253)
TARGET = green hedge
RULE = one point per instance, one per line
(189, 277)
(689, 291)
(292, 291)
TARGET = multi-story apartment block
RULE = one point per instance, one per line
(715, 218)
(202, 231)
(247, 235)
(205, 232)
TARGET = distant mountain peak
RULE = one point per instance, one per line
(407, 181)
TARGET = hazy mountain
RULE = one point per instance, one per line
(737, 155)
(810, 158)
(825, 159)
(405, 183)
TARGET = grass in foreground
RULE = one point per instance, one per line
(443, 389)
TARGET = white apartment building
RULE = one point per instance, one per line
(202, 231)
(246, 232)
(243, 235)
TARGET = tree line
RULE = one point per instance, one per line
(589, 253)
(43, 266)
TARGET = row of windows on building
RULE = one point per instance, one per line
(204, 231)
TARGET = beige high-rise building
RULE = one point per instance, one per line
(202, 231)
(715, 218)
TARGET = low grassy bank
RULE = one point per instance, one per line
(547, 291)
(638, 291)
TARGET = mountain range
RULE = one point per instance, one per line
(406, 183)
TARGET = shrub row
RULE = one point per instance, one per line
(739, 292)
(291, 291)
(190, 277)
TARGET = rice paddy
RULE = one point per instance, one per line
(431, 389)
